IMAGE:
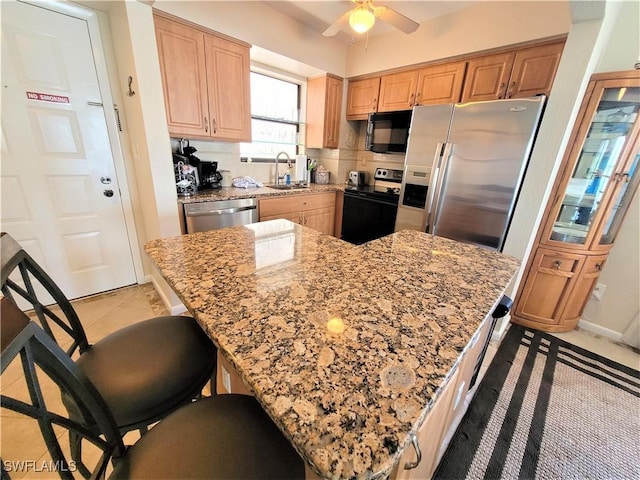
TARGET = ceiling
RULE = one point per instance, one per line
(320, 14)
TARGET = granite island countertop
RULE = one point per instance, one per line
(233, 193)
(346, 347)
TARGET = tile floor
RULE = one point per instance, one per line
(102, 314)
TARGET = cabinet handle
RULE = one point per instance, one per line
(511, 87)
(619, 176)
(206, 125)
(557, 264)
(412, 465)
(412, 100)
(214, 125)
(501, 90)
(375, 103)
(417, 98)
(598, 266)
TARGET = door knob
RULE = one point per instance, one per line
(108, 193)
(105, 180)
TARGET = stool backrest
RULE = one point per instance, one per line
(22, 276)
(43, 361)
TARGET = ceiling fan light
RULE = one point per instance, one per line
(361, 19)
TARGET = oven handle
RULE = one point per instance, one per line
(364, 196)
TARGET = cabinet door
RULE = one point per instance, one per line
(362, 98)
(440, 83)
(600, 173)
(295, 217)
(487, 77)
(324, 102)
(228, 88)
(547, 286)
(584, 285)
(332, 112)
(398, 91)
(320, 219)
(182, 66)
(429, 437)
(534, 70)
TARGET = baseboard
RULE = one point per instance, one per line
(600, 330)
(173, 309)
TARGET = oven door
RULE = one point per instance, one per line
(365, 218)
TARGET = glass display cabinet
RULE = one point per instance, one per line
(594, 188)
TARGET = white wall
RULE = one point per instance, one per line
(481, 26)
(136, 56)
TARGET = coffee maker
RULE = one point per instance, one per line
(210, 177)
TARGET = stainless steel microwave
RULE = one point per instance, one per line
(388, 132)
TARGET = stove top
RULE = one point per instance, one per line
(386, 185)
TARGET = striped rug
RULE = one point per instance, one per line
(547, 409)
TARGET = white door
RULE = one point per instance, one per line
(60, 194)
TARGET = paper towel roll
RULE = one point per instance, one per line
(301, 168)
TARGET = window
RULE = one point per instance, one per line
(275, 107)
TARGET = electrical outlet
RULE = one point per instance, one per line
(226, 380)
(598, 292)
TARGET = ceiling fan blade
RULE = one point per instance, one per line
(337, 26)
(396, 19)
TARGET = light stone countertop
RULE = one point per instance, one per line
(409, 304)
(233, 193)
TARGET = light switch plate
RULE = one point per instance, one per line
(226, 380)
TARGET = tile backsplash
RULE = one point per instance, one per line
(338, 161)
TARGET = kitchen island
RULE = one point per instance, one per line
(348, 348)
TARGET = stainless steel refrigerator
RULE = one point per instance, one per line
(464, 167)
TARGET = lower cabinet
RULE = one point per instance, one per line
(316, 210)
(443, 419)
(556, 289)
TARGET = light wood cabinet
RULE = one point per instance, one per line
(362, 98)
(205, 79)
(429, 437)
(598, 178)
(521, 73)
(398, 91)
(424, 86)
(324, 104)
(440, 83)
(315, 211)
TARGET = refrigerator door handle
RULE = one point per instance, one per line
(433, 180)
(437, 194)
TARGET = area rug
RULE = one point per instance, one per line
(547, 409)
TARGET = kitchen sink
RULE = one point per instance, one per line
(287, 187)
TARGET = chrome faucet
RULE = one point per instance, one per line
(278, 177)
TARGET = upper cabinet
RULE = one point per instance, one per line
(403, 90)
(205, 78)
(362, 98)
(324, 104)
(513, 73)
(522, 73)
(398, 91)
(440, 83)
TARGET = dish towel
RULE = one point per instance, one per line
(246, 182)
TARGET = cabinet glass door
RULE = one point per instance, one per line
(605, 141)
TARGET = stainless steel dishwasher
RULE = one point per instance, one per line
(203, 216)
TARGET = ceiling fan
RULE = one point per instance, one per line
(363, 16)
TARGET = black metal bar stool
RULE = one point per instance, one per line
(219, 437)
